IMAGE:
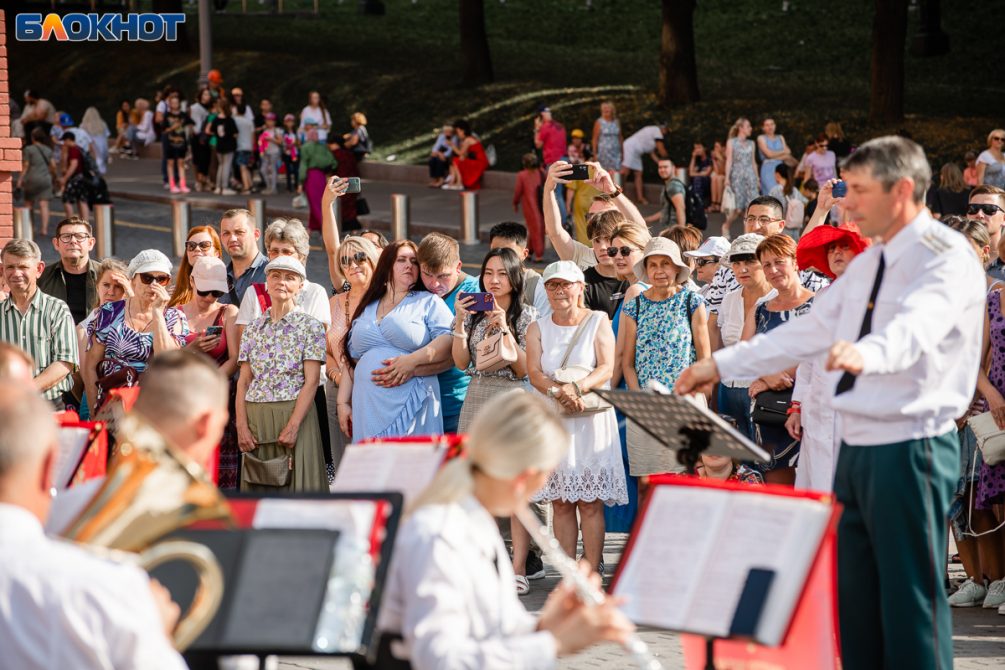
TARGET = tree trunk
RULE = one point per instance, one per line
(889, 36)
(475, 43)
(678, 67)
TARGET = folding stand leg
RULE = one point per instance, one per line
(709, 653)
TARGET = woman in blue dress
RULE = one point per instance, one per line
(398, 339)
(772, 150)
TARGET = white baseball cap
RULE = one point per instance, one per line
(210, 274)
(713, 246)
(566, 270)
(288, 263)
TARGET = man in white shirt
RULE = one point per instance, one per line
(902, 334)
(60, 606)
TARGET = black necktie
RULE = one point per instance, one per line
(847, 381)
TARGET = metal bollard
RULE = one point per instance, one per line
(469, 217)
(181, 220)
(257, 208)
(22, 224)
(104, 230)
(681, 174)
(400, 215)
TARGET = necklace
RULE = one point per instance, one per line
(394, 303)
(133, 319)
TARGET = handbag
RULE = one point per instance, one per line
(990, 438)
(495, 352)
(771, 407)
(271, 472)
(567, 374)
(728, 199)
(362, 207)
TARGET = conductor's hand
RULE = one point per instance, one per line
(699, 378)
(576, 626)
(166, 608)
(844, 356)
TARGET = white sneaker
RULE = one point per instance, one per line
(996, 595)
(970, 594)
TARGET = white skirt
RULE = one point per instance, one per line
(592, 469)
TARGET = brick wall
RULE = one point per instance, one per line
(10, 147)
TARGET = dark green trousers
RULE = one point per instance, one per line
(892, 553)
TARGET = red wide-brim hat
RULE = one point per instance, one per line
(811, 251)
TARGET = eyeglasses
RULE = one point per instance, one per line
(215, 294)
(198, 246)
(74, 237)
(761, 220)
(359, 258)
(989, 210)
(702, 262)
(625, 251)
(148, 278)
(555, 287)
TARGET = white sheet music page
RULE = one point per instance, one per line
(72, 444)
(688, 567)
(394, 466)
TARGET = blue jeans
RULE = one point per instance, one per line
(735, 402)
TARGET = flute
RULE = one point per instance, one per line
(590, 595)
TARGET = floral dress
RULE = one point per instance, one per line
(991, 484)
(664, 346)
(743, 179)
(609, 145)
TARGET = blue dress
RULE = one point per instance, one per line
(413, 408)
(768, 165)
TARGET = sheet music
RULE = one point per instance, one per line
(72, 444)
(69, 503)
(689, 564)
(403, 467)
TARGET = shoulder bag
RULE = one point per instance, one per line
(567, 374)
(771, 407)
(271, 472)
(495, 352)
(990, 438)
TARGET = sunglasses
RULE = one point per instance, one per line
(996, 138)
(198, 246)
(702, 262)
(359, 257)
(148, 279)
(989, 210)
(625, 251)
(215, 294)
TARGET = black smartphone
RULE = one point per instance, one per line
(839, 190)
(355, 185)
(484, 302)
(580, 172)
(213, 330)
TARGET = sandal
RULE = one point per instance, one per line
(522, 585)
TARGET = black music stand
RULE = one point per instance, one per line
(683, 426)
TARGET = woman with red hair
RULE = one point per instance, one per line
(827, 250)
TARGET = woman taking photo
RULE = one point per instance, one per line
(126, 333)
(665, 328)
(507, 320)
(725, 327)
(37, 172)
(577, 343)
(741, 172)
(469, 163)
(280, 358)
(449, 593)
(357, 259)
(202, 241)
(399, 336)
(789, 300)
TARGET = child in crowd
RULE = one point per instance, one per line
(291, 153)
(270, 147)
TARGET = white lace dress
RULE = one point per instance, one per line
(592, 469)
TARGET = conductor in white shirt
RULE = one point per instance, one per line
(60, 606)
(902, 334)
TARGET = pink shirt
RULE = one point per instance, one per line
(824, 166)
(552, 137)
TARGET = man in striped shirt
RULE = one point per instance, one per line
(36, 322)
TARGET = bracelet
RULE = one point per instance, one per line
(579, 391)
(459, 336)
(795, 409)
(616, 193)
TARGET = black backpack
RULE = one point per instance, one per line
(694, 208)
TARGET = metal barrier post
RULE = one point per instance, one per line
(104, 230)
(257, 208)
(181, 218)
(469, 217)
(400, 215)
(22, 223)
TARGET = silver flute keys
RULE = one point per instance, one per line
(590, 595)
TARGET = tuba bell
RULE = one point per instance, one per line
(151, 490)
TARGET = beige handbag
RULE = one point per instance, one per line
(567, 374)
(990, 438)
(495, 352)
(273, 472)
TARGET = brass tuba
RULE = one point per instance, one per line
(150, 491)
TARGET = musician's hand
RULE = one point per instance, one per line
(699, 378)
(576, 626)
(166, 608)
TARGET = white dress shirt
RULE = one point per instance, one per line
(921, 358)
(61, 607)
(450, 595)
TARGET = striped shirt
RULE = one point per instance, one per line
(45, 332)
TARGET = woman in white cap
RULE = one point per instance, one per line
(666, 326)
(569, 354)
(213, 331)
(126, 333)
(706, 261)
(280, 358)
